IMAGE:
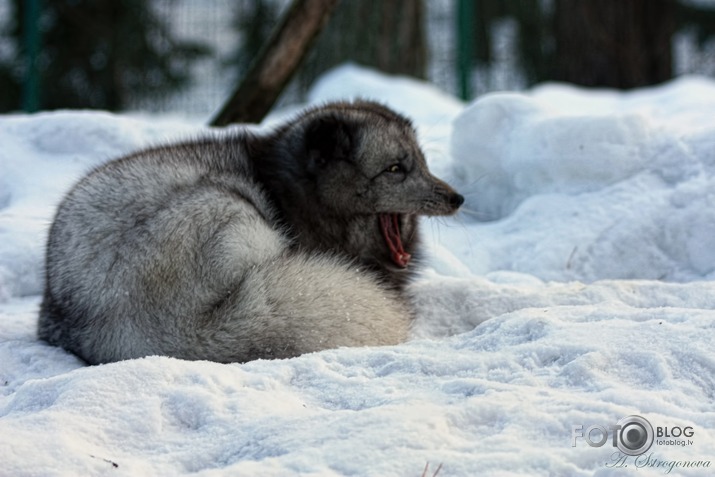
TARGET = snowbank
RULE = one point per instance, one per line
(586, 186)
(516, 341)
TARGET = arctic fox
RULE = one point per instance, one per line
(243, 246)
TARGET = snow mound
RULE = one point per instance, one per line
(592, 187)
(423, 103)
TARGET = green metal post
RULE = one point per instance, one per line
(465, 46)
(31, 40)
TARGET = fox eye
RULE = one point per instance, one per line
(395, 168)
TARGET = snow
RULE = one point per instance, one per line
(589, 186)
(577, 288)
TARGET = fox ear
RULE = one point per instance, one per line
(328, 139)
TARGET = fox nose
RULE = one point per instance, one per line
(455, 200)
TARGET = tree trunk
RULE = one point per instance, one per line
(276, 63)
(614, 43)
(386, 35)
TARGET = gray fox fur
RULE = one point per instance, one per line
(245, 245)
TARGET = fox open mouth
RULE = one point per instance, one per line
(390, 226)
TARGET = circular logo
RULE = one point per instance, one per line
(635, 436)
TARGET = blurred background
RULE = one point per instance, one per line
(187, 56)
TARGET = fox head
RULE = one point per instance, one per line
(353, 163)
(363, 158)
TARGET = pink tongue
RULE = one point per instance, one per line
(389, 223)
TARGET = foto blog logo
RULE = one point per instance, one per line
(632, 435)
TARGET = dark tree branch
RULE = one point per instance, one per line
(276, 63)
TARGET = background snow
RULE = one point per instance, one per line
(517, 336)
(587, 186)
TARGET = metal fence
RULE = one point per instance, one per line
(210, 21)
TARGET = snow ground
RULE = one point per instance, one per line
(577, 288)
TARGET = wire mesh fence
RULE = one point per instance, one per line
(224, 27)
